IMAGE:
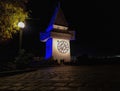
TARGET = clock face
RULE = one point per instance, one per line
(62, 46)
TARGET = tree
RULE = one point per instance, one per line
(11, 12)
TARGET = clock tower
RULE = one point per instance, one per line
(57, 37)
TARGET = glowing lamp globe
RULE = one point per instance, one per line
(21, 25)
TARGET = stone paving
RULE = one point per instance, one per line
(65, 78)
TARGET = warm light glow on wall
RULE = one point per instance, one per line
(61, 49)
(61, 43)
(60, 27)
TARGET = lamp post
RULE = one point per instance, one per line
(21, 25)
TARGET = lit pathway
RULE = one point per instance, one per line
(65, 78)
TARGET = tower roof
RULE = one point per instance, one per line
(58, 18)
(58, 27)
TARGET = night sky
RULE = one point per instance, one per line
(95, 22)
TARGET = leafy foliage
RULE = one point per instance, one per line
(11, 12)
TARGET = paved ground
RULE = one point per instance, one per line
(65, 78)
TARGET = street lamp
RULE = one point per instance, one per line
(21, 25)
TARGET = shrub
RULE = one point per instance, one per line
(23, 59)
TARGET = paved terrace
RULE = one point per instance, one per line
(65, 78)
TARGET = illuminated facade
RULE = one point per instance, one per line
(57, 37)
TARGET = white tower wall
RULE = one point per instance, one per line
(61, 49)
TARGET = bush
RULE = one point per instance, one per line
(23, 60)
